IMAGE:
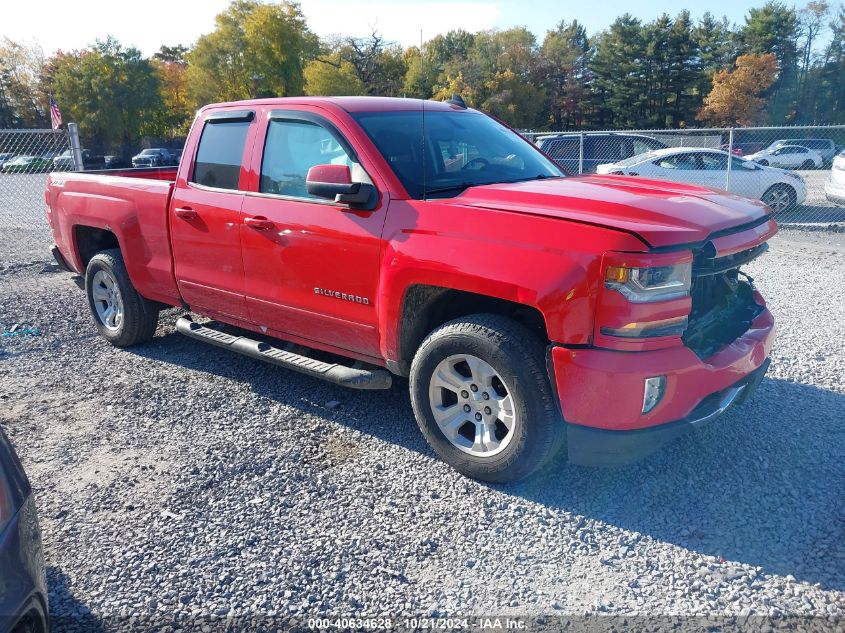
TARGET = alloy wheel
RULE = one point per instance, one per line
(472, 405)
(108, 301)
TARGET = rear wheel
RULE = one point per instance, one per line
(780, 198)
(123, 317)
(808, 164)
(482, 399)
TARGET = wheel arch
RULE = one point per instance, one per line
(425, 307)
(90, 240)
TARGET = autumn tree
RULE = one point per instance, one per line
(171, 66)
(22, 100)
(255, 50)
(735, 97)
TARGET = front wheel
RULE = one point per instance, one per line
(482, 399)
(764, 163)
(780, 198)
(123, 317)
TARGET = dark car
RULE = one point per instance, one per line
(154, 157)
(64, 161)
(23, 585)
(599, 148)
(115, 162)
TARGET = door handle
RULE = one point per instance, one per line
(186, 213)
(259, 223)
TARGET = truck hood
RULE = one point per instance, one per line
(660, 213)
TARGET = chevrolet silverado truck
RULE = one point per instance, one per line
(358, 239)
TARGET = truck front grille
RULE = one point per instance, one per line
(723, 305)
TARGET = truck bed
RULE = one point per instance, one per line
(123, 207)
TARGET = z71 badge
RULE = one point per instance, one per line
(344, 296)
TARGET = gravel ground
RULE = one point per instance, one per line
(177, 481)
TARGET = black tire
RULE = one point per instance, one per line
(140, 315)
(519, 358)
(763, 162)
(808, 164)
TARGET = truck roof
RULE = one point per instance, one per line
(350, 104)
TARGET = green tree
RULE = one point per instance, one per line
(330, 75)
(829, 107)
(378, 65)
(619, 68)
(716, 45)
(255, 50)
(112, 92)
(563, 65)
(774, 28)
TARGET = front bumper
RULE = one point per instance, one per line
(600, 447)
(601, 391)
(835, 193)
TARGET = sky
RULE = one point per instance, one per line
(72, 24)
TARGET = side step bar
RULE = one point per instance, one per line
(338, 374)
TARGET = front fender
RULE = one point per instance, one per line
(544, 263)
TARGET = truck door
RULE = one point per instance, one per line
(311, 265)
(205, 216)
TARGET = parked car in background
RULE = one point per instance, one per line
(779, 189)
(23, 586)
(28, 165)
(64, 161)
(154, 157)
(115, 162)
(6, 157)
(788, 157)
(742, 149)
(834, 190)
(599, 148)
(825, 147)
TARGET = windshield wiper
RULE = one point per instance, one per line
(456, 187)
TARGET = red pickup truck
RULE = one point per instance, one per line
(395, 237)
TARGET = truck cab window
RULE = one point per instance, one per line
(291, 149)
(220, 154)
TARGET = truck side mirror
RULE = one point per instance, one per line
(334, 182)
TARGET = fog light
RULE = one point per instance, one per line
(653, 392)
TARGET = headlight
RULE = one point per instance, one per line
(646, 285)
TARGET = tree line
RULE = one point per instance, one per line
(670, 72)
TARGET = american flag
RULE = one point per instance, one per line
(55, 113)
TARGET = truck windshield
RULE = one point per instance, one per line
(463, 148)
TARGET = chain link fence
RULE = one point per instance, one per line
(798, 171)
(26, 157)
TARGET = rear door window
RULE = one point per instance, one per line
(220, 154)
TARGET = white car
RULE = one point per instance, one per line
(834, 190)
(789, 157)
(779, 189)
